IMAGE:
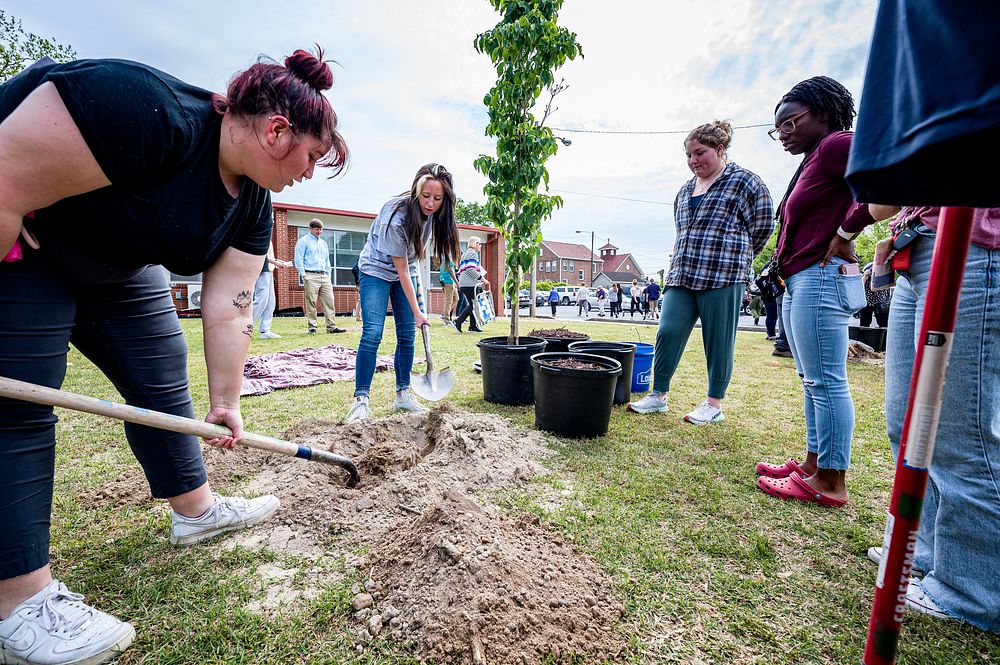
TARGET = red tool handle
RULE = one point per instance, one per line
(919, 430)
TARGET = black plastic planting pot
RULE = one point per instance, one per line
(623, 353)
(575, 403)
(507, 369)
(553, 344)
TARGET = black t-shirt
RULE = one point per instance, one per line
(157, 140)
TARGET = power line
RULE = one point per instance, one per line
(671, 131)
(617, 198)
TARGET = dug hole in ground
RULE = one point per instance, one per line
(448, 574)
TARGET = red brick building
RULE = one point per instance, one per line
(567, 262)
(345, 232)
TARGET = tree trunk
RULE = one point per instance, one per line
(533, 280)
(512, 339)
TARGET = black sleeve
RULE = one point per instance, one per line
(254, 236)
(129, 116)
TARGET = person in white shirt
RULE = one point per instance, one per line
(582, 300)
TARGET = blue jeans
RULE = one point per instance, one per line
(816, 312)
(959, 537)
(770, 316)
(375, 296)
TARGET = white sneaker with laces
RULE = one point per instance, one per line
(918, 600)
(359, 410)
(875, 556)
(226, 514)
(654, 402)
(405, 401)
(55, 627)
(705, 414)
(270, 335)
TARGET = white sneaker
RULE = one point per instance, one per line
(227, 514)
(875, 556)
(270, 335)
(405, 401)
(359, 410)
(654, 402)
(918, 600)
(705, 414)
(56, 627)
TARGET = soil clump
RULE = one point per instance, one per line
(558, 333)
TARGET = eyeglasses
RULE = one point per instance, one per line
(787, 127)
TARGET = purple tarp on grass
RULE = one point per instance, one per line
(302, 367)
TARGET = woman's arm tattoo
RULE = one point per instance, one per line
(243, 300)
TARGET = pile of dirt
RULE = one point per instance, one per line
(448, 574)
(558, 333)
(572, 363)
(860, 352)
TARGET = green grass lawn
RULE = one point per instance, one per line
(710, 569)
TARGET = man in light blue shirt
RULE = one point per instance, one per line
(312, 261)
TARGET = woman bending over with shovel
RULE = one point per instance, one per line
(398, 239)
(111, 170)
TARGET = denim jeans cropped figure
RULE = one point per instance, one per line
(376, 294)
(959, 538)
(816, 311)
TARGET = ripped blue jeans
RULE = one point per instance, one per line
(817, 310)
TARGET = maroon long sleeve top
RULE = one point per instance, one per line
(820, 202)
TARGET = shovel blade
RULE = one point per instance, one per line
(432, 386)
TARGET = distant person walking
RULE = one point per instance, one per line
(615, 300)
(635, 292)
(312, 261)
(582, 300)
(653, 299)
(553, 300)
(724, 217)
(470, 276)
(449, 284)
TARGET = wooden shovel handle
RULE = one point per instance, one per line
(29, 392)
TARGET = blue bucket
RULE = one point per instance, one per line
(642, 367)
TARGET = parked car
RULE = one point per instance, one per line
(567, 294)
(523, 299)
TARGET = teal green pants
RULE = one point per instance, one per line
(719, 311)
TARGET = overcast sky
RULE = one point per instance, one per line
(409, 87)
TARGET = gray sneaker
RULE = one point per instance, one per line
(705, 414)
(270, 335)
(359, 410)
(55, 627)
(654, 402)
(405, 401)
(227, 514)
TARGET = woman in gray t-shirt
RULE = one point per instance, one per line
(398, 239)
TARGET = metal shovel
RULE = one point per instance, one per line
(431, 385)
(29, 392)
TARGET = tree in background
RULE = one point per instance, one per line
(471, 213)
(526, 47)
(19, 48)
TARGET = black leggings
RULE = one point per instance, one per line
(470, 296)
(131, 332)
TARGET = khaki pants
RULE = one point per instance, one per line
(450, 300)
(319, 288)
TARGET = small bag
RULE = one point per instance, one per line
(769, 281)
(482, 309)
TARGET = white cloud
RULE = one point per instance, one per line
(409, 87)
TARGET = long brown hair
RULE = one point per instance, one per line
(443, 226)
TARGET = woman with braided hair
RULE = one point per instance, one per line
(815, 255)
(113, 169)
